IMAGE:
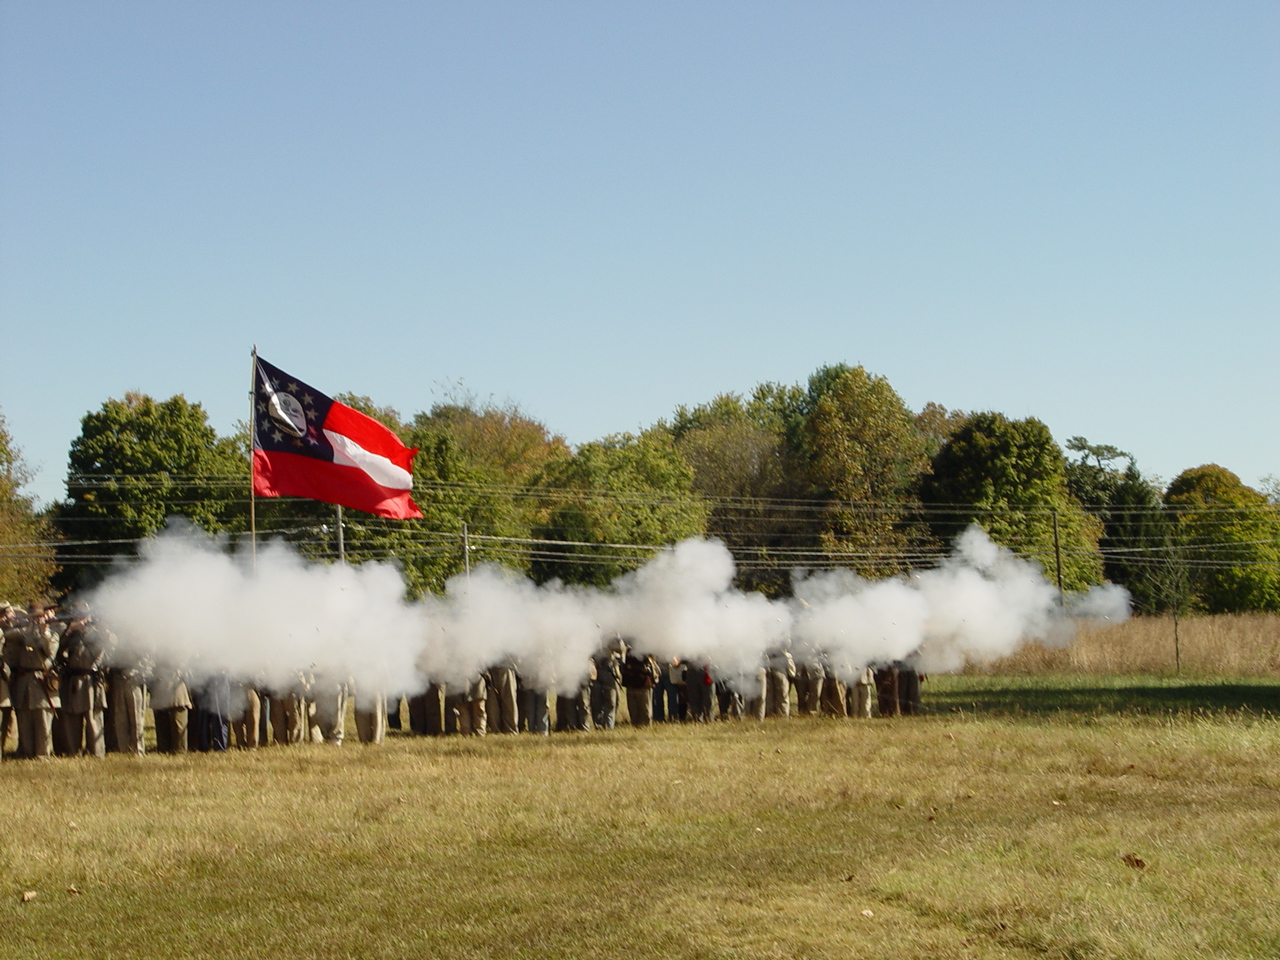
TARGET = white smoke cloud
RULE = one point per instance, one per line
(191, 605)
(682, 604)
(851, 622)
(494, 615)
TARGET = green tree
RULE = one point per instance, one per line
(27, 561)
(453, 496)
(1230, 535)
(1009, 476)
(1140, 549)
(137, 462)
(612, 500)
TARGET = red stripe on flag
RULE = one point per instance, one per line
(293, 475)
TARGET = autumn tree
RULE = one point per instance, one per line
(454, 497)
(737, 449)
(496, 454)
(26, 554)
(1230, 535)
(502, 441)
(863, 455)
(936, 425)
(813, 475)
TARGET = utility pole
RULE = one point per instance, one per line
(1057, 557)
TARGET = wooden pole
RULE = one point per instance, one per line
(1057, 558)
(1177, 644)
(253, 439)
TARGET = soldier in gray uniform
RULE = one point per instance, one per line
(371, 715)
(699, 691)
(471, 707)
(640, 675)
(811, 676)
(862, 694)
(503, 701)
(330, 698)
(604, 688)
(7, 622)
(780, 669)
(170, 705)
(29, 651)
(574, 712)
(127, 697)
(83, 684)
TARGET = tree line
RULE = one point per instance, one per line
(834, 472)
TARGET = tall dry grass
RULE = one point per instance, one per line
(1226, 645)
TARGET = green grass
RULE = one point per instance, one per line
(1001, 833)
(1087, 695)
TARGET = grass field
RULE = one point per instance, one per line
(1061, 815)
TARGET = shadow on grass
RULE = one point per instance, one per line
(1041, 696)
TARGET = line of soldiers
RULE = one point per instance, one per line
(67, 695)
(52, 685)
(65, 690)
(501, 700)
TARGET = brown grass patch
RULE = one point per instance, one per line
(1227, 645)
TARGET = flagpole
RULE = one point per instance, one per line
(342, 549)
(253, 436)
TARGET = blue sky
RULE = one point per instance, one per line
(602, 210)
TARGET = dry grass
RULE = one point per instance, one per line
(1228, 645)
(961, 837)
(1091, 810)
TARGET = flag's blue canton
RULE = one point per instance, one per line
(282, 436)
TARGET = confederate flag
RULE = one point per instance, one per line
(308, 445)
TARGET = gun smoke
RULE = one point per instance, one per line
(189, 604)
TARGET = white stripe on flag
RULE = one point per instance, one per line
(382, 471)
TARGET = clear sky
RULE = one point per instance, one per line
(602, 210)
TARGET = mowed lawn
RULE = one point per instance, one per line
(1045, 817)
